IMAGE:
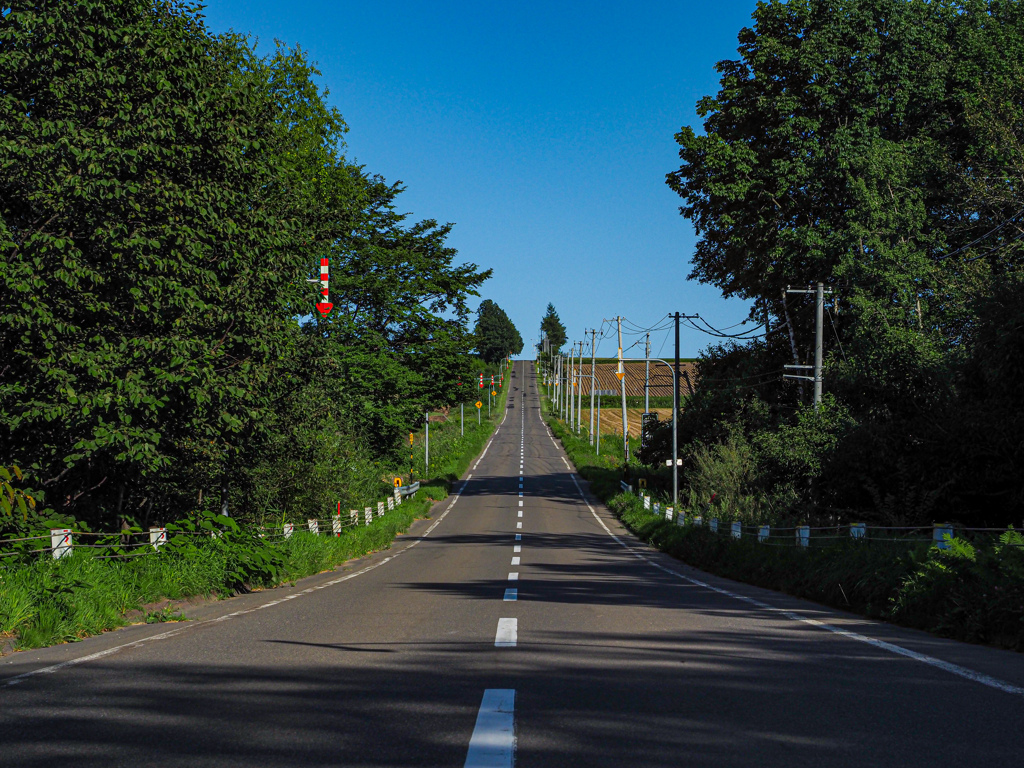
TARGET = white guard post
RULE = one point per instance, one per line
(314, 526)
(764, 533)
(368, 514)
(657, 509)
(288, 528)
(336, 524)
(713, 524)
(398, 497)
(157, 537)
(354, 515)
(803, 535)
(380, 509)
(391, 503)
(737, 529)
(668, 513)
(647, 502)
(857, 530)
(681, 518)
(60, 542)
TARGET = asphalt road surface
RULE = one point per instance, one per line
(521, 623)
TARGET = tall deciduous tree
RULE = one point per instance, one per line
(496, 336)
(147, 261)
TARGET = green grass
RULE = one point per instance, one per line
(973, 591)
(45, 601)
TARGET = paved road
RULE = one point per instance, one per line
(609, 655)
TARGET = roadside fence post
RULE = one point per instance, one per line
(60, 542)
(737, 529)
(368, 515)
(157, 537)
(288, 528)
(803, 535)
(314, 526)
(857, 530)
(764, 533)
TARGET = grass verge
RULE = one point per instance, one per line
(45, 601)
(973, 591)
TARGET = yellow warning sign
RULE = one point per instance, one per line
(479, 404)
(493, 392)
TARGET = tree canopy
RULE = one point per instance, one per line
(496, 336)
(552, 329)
(862, 143)
(165, 195)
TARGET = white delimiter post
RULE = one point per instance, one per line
(60, 542)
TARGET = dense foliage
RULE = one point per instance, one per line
(874, 145)
(552, 330)
(496, 336)
(165, 194)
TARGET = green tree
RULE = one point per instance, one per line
(149, 252)
(552, 329)
(496, 336)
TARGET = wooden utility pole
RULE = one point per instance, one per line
(593, 380)
(621, 373)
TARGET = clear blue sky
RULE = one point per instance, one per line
(544, 130)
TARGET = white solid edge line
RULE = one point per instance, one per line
(177, 631)
(955, 669)
(507, 634)
(493, 743)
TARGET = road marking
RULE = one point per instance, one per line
(520, 513)
(507, 634)
(520, 493)
(517, 548)
(955, 669)
(519, 537)
(520, 503)
(191, 625)
(519, 525)
(493, 743)
(511, 595)
(514, 576)
(515, 561)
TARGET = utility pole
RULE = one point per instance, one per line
(593, 380)
(579, 395)
(819, 322)
(675, 421)
(819, 317)
(621, 373)
(557, 390)
(572, 384)
(647, 372)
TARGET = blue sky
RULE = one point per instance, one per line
(544, 130)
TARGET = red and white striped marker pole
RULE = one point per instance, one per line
(324, 306)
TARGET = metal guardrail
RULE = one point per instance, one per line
(626, 487)
(408, 490)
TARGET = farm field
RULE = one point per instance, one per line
(611, 419)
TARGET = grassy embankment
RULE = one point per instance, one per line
(973, 591)
(45, 601)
